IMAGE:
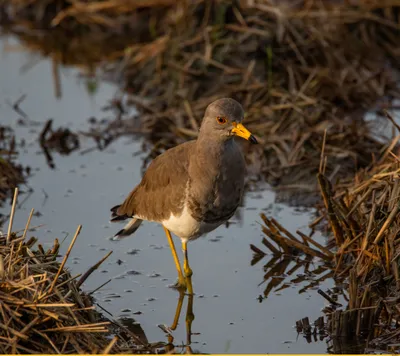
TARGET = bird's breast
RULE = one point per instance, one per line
(216, 200)
(216, 181)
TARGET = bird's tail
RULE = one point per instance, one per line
(128, 229)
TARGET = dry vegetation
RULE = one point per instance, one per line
(363, 216)
(363, 220)
(44, 310)
(298, 70)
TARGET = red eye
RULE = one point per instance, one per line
(222, 120)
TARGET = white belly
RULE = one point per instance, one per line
(186, 227)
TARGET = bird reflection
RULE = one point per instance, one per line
(129, 329)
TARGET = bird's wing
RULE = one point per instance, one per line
(162, 189)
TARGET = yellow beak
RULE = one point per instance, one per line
(241, 131)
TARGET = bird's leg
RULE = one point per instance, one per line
(181, 284)
(186, 268)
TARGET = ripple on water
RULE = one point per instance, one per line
(133, 273)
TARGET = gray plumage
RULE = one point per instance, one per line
(194, 187)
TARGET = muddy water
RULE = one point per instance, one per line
(229, 316)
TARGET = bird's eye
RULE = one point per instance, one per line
(221, 120)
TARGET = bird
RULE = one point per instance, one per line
(194, 187)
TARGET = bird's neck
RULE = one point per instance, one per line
(210, 153)
(212, 148)
(213, 164)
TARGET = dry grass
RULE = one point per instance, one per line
(363, 220)
(363, 215)
(43, 309)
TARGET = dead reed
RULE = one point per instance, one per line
(363, 220)
(363, 216)
(298, 69)
(43, 309)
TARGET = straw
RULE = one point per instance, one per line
(12, 215)
(43, 309)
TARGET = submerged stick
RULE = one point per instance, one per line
(271, 247)
(328, 298)
(316, 244)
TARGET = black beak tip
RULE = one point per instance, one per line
(253, 140)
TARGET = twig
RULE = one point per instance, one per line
(322, 157)
(27, 224)
(390, 117)
(92, 269)
(328, 298)
(12, 215)
(101, 286)
(387, 223)
(78, 230)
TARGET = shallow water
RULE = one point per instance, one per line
(81, 189)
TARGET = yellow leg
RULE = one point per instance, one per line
(181, 279)
(186, 268)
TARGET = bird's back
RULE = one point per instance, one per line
(162, 189)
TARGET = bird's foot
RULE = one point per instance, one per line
(180, 285)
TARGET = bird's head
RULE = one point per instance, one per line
(223, 120)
